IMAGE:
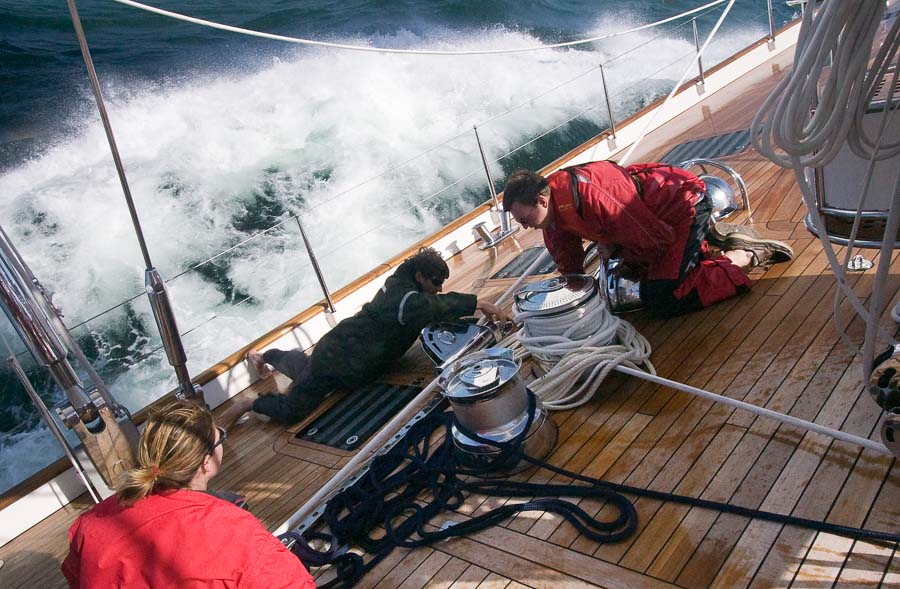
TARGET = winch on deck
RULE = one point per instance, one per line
(490, 399)
(446, 342)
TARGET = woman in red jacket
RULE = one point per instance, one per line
(161, 529)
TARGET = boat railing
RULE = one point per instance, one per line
(596, 85)
(598, 117)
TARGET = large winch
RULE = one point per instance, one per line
(490, 399)
(622, 294)
(553, 308)
(446, 342)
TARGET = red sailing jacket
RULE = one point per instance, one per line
(651, 229)
(185, 539)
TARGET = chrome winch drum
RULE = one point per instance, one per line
(489, 398)
(622, 295)
(722, 197)
(554, 297)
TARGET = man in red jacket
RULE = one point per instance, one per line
(652, 216)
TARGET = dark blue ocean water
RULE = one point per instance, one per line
(43, 80)
(225, 135)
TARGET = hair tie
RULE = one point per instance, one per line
(155, 470)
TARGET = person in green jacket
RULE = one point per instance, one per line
(362, 347)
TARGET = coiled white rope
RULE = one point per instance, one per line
(586, 344)
(625, 353)
(252, 33)
(819, 107)
(811, 121)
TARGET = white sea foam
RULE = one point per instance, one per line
(307, 129)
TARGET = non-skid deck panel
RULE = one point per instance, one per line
(349, 423)
(717, 146)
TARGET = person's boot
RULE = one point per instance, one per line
(765, 251)
(720, 230)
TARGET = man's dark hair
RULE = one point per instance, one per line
(429, 262)
(522, 186)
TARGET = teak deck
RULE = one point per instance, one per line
(776, 347)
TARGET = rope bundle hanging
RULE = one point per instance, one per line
(585, 344)
(818, 108)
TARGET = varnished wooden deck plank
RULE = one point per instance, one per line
(471, 577)
(785, 494)
(650, 467)
(680, 547)
(601, 426)
(537, 564)
(804, 378)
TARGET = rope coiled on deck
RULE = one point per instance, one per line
(412, 483)
(390, 497)
(586, 344)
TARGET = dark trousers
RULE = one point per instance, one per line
(306, 392)
(659, 295)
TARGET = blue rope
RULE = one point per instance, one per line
(413, 483)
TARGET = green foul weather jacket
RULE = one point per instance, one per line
(361, 347)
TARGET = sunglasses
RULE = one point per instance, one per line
(437, 281)
(223, 433)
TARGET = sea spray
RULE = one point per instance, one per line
(218, 159)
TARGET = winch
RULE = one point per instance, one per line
(552, 308)
(557, 295)
(489, 399)
(622, 294)
(446, 342)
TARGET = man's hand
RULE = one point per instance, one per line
(492, 311)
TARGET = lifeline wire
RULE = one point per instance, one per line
(684, 76)
(252, 33)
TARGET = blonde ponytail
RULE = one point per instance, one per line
(176, 441)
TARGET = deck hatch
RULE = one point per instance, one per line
(352, 420)
(709, 147)
(520, 263)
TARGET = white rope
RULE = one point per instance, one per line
(788, 419)
(252, 33)
(585, 344)
(818, 108)
(806, 119)
(690, 68)
(621, 348)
